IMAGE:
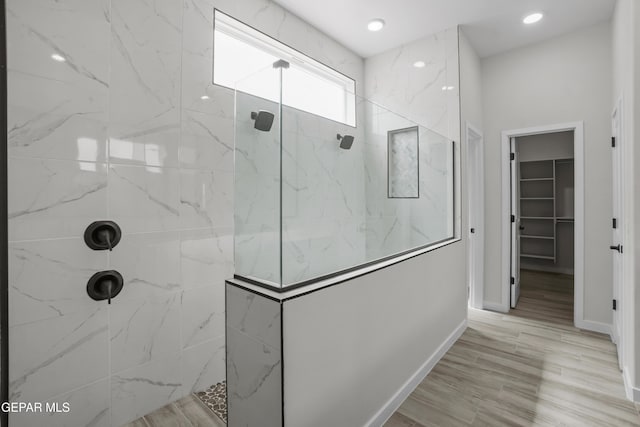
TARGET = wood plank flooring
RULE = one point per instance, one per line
(186, 412)
(528, 368)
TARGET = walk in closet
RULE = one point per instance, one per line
(547, 202)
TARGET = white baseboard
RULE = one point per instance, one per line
(495, 307)
(399, 396)
(633, 393)
(590, 325)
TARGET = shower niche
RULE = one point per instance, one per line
(317, 199)
(404, 168)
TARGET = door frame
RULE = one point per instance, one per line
(514, 239)
(476, 286)
(578, 154)
(617, 324)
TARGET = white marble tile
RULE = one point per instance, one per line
(142, 330)
(53, 198)
(256, 250)
(56, 119)
(47, 278)
(78, 30)
(144, 199)
(146, 41)
(206, 198)
(142, 389)
(207, 138)
(206, 257)
(203, 365)
(202, 314)
(153, 143)
(149, 264)
(88, 406)
(198, 27)
(256, 316)
(253, 381)
(416, 93)
(53, 356)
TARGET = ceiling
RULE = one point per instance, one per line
(492, 26)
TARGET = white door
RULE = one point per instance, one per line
(475, 180)
(617, 231)
(515, 225)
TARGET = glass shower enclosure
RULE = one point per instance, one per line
(325, 187)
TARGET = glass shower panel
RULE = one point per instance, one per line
(257, 177)
(323, 196)
(432, 216)
(312, 193)
(389, 228)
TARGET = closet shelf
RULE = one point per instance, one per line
(537, 256)
(528, 236)
(537, 217)
(535, 179)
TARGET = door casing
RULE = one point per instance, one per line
(578, 154)
(475, 195)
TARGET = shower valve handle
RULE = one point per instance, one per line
(105, 285)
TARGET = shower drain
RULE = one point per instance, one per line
(215, 397)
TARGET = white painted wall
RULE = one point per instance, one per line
(565, 79)
(360, 342)
(626, 58)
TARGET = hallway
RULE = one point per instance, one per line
(529, 367)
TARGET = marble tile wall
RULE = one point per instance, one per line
(119, 131)
(254, 368)
(426, 96)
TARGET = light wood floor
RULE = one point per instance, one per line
(530, 367)
(186, 412)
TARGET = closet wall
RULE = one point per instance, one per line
(546, 202)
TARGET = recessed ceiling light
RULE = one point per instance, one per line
(375, 24)
(448, 87)
(58, 57)
(533, 18)
(419, 64)
(203, 97)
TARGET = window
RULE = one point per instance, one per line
(241, 53)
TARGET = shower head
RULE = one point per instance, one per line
(263, 120)
(346, 141)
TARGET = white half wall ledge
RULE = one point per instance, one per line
(414, 381)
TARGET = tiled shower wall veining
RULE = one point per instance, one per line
(119, 131)
(428, 96)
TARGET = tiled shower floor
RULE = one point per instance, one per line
(215, 397)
